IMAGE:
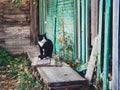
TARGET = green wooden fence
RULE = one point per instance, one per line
(60, 22)
(71, 19)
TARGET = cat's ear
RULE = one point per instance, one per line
(44, 34)
(39, 35)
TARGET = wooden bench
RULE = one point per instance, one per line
(56, 78)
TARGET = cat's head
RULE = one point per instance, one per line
(42, 36)
(42, 39)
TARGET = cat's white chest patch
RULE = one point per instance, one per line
(41, 43)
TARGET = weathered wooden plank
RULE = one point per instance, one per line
(92, 61)
(17, 29)
(14, 23)
(20, 18)
(59, 75)
(94, 20)
(116, 46)
(18, 41)
(15, 32)
(14, 49)
(8, 37)
(13, 11)
(16, 52)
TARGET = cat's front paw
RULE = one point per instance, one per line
(40, 56)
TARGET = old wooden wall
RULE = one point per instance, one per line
(14, 26)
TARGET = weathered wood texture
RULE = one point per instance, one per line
(34, 21)
(61, 76)
(94, 20)
(116, 45)
(14, 26)
(92, 61)
(57, 78)
(33, 53)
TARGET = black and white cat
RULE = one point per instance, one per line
(46, 46)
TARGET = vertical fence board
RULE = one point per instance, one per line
(100, 39)
(83, 31)
(94, 19)
(115, 52)
(106, 44)
(79, 28)
(87, 29)
(41, 16)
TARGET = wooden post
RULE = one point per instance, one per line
(94, 19)
(116, 46)
(33, 23)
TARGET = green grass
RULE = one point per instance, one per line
(18, 69)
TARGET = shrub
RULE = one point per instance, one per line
(5, 57)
